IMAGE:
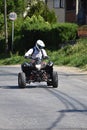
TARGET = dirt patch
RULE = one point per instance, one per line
(70, 69)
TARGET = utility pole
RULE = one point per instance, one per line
(46, 2)
(5, 22)
(77, 9)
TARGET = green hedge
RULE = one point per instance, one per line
(53, 35)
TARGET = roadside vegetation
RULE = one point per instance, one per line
(69, 55)
(72, 55)
(40, 23)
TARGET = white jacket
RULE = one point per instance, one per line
(35, 53)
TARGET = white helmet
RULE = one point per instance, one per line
(40, 44)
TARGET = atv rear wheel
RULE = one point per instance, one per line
(21, 80)
(55, 79)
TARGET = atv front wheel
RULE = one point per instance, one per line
(49, 83)
(55, 79)
(21, 80)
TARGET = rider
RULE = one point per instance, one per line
(37, 51)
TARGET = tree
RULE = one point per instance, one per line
(40, 8)
(17, 6)
(1, 25)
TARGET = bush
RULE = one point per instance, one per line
(2, 46)
(34, 28)
(35, 23)
(40, 8)
(2, 41)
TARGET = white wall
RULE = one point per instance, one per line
(60, 12)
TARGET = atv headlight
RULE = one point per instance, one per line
(38, 66)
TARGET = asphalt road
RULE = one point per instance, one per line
(39, 107)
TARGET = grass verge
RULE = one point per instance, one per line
(70, 55)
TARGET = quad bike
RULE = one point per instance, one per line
(37, 71)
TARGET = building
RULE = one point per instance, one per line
(69, 10)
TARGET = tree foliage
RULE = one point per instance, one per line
(40, 8)
(17, 6)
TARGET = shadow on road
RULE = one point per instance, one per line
(72, 110)
(9, 87)
(27, 87)
(71, 104)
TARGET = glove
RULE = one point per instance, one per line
(26, 57)
(46, 57)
